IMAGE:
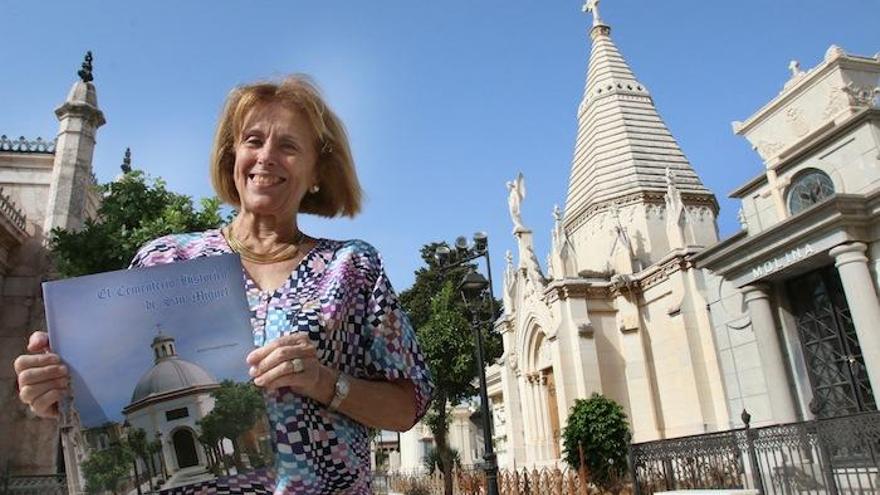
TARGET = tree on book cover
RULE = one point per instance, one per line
(161, 394)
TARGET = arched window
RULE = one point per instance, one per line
(809, 187)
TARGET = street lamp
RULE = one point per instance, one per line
(473, 289)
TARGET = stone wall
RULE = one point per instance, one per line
(30, 444)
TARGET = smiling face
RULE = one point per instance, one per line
(275, 161)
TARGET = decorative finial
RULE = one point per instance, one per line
(746, 418)
(833, 52)
(86, 72)
(126, 165)
(795, 67)
(592, 6)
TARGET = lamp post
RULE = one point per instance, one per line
(473, 289)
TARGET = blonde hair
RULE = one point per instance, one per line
(340, 192)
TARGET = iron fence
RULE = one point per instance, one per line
(832, 456)
(50, 484)
(538, 481)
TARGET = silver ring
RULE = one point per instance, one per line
(298, 365)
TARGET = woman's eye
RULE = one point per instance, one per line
(252, 140)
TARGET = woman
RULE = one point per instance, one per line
(335, 353)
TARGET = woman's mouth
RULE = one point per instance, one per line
(264, 179)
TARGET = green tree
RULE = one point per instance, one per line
(596, 438)
(444, 332)
(134, 209)
(136, 441)
(237, 407)
(104, 470)
(154, 449)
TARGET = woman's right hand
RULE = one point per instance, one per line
(42, 379)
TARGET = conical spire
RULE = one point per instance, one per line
(623, 147)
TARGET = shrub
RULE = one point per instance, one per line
(598, 432)
(417, 488)
(432, 459)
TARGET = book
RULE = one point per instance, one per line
(149, 351)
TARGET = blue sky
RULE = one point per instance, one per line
(444, 101)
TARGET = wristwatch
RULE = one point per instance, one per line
(340, 391)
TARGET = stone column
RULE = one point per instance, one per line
(80, 119)
(642, 407)
(514, 425)
(411, 449)
(537, 435)
(772, 360)
(541, 406)
(525, 387)
(852, 264)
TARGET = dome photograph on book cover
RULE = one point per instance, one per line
(158, 372)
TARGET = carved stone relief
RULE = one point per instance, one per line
(861, 96)
(837, 101)
(795, 118)
(768, 149)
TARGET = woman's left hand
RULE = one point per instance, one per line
(290, 361)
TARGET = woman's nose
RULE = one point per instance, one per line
(267, 154)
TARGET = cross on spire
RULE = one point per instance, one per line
(592, 6)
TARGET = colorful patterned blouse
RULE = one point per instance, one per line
(341, 296)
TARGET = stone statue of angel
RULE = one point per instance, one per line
(558, 231)
(516, 193)
(509, 283)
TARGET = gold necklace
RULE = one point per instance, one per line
(285, 253)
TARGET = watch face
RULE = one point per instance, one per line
(342, 386)
(808, 189)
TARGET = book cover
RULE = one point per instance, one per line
(157, 364)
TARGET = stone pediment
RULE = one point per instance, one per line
(811, 103)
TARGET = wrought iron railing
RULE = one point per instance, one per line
(50, 484)
(9, 210)
(22, 145)
(543, 481)
(827, 456)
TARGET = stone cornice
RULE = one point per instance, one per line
(83, 110)
(576, 288)
(174, 394)
(622, 284)
(847, 212)
(805, 147)
(646, 197)
(678, 260)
